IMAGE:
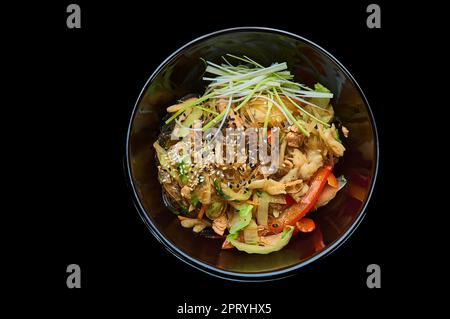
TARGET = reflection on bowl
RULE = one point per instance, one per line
(180, 74)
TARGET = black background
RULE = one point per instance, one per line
(86, 82)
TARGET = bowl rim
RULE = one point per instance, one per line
(215, 271)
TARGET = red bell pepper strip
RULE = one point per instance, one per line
(294, 213)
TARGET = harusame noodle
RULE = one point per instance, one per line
(250, 207)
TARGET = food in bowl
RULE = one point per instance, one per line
(250, 159)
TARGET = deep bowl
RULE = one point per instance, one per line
(179, 75)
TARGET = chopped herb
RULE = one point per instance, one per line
(258, 193)
(285, 232)
(184, 179)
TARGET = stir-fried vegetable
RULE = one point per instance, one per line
(271, 244)
(214, 210)
(231, 195)
(323, 103)
(182, 170)
(192, 117)
(305, 225)
(263, 209)
(342, 181)
(292, 214)
(201, 212)
(241, 218)
(163, 159)
(332, 181)
(255, 210)
(251, 233)
(219, 190)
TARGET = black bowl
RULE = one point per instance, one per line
(179, 75)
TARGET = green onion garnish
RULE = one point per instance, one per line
(241, 83)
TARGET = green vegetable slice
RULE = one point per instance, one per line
(214, 210)
(242, 218)
(232, 195)
(194, 200)
(163, 159)
(276, 243)
(191, 118)
(336, 136)
(182, 170)
(219, 190)
(320, 88)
